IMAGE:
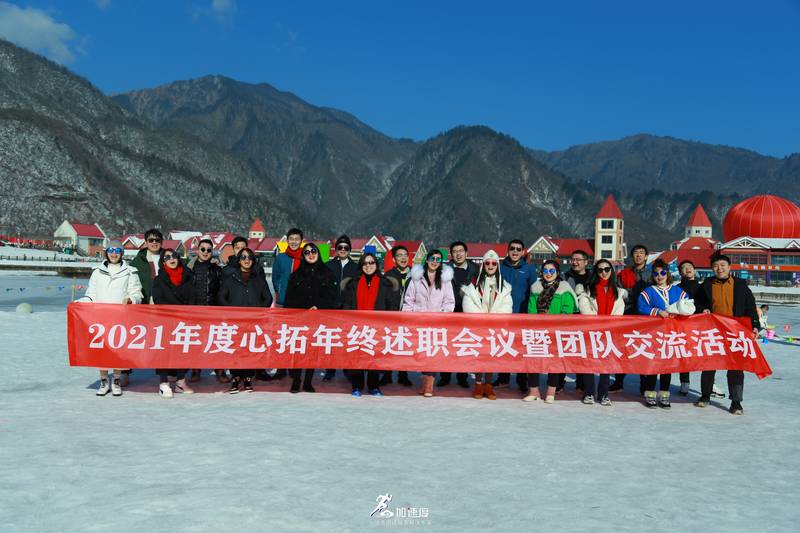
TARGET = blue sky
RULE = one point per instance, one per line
(551, 74)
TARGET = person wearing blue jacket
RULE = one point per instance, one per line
(521, 275)
(656, 300)
(286, 263)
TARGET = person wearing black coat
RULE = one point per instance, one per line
(464, 273)
(342, 267)
(741, 303)
(401, 273)
(206, 283)
(173, 285)
(357, 294)
(244, 288)
(311, 286)
(689, 285)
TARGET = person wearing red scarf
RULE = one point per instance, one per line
(368, 291)
(600, 296)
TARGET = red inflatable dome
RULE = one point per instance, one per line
(763, 216)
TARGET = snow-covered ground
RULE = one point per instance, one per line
(272, 461)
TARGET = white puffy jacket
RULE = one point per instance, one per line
(114, 284)
(474, 303)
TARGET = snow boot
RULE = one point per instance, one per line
(477, 393)
(103, 389)
(488, 391)
(427, 386)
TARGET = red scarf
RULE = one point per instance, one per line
(175, 274)
(296, 255)
(605, 297)
(366, 295)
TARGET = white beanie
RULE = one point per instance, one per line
(491, 254)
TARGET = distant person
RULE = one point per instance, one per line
(763, 311)
(113, 282)
(173, 286)
(342, 267)
(464, 273)
(244, 288)
(600, 296)
(488, 293)
(310, 286)
(430, 291)
(402, 273)
(368, 290)
(552, 296)
(206, 283)
(658, 300)
(633, 279)
(521, 275)
(725, 295)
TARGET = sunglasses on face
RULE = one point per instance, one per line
(205, 250)
(549, 271)
(515, 248)
(343, 247)
(490, 263)
(245, 257)
(603, 270)
(153, 240)
(170, 257)
(113, 250)
(435, 260)
(310, 252)
(370, 263)
(659, 273)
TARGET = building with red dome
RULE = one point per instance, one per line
(762, 238)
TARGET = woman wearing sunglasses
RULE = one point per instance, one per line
(113, 282)
(601, 296)
(173, 285)
(244, 287)
(663, 299)
(430, 291)
(549, 295)
(311, 286)
(489, 293)
(369, 290)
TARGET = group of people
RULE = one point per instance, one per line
(302, 280)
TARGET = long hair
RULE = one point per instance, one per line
(161, 257)
(555, 265)
(660, 263)
(482, 277)
(252, 257)
(374, 258)
(437, 282)
(594, 279)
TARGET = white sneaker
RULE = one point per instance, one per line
(530, 398)
(103, 389)
(717, 393)
(116, 388)
(684, 389)
(182, 387)
(165, 390)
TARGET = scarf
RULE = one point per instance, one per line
(367, 292)
(605, 297)
(546, 297)
(175, 275)
(488, 292)
(296, 255)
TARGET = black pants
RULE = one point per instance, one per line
(533, 380)
(295, 374)
(684, 377)
(329, 373)
(650, 382)
(522, 379)
(735, 384)
(602, 385)
(165, 373)
(447, 376)
(241, 374)
(357, 378)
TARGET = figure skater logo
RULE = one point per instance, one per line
(383, 502)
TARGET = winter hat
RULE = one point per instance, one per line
(491, 254)
(344, 239)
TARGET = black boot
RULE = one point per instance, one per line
(307, 387)
(402, 379)
(329, 374)
(461, 377)
(295, 386)
(444, 379)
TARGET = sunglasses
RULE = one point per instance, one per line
(549, 271)
(310, 252)
(490, 263)
(151, 240)
(170, 257)
(343, 247)
(245, 257)
(435, 260)
(603, 270)
(205, 250)
(659, 273)
(515, 248)
(113, 250)
(369, 263)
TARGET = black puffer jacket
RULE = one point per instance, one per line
(239, 293)
(233, 266)
(164, 292)
(207, 281)
(387, 293)
(311, 286)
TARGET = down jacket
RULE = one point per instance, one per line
(112, 284)
(588, 305)
(563, 302)
(421, 297)
(472, 302)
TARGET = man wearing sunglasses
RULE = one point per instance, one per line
(146, 261)
(464, 272)
(725, 295)
(521, 275)
(342, 268)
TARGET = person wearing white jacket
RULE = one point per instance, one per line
(113, 282)
(489, 293)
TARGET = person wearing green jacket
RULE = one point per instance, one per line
(554, 296)
(146, 262)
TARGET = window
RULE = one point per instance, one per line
(605, 254)
(607, 239)
(786, 259)
(606, 224)
(749, 259)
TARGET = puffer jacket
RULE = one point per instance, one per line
(206, 282)
(588, 305)
(473, 302)
(421, 297)
(238, 293)
(111, 284)
(563, 302)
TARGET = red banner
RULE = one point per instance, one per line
(164, 336)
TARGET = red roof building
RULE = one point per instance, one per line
(257, 230)
(609, 234)
(610, 209)
(764, 216)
